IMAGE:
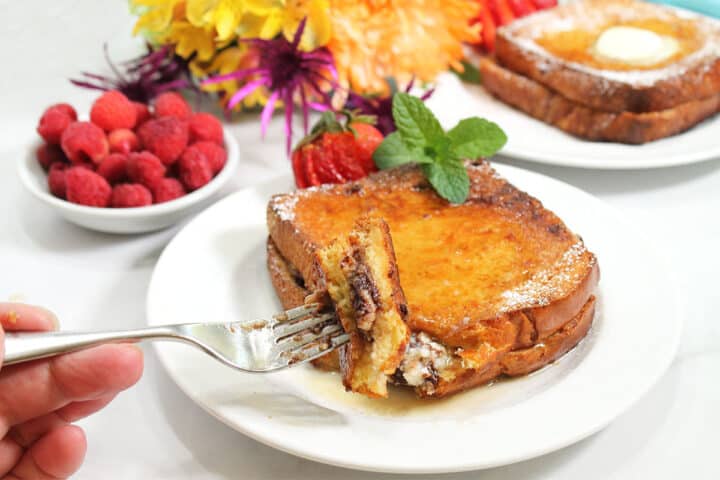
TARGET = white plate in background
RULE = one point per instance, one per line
(532, 140)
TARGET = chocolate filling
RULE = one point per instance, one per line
(364, 292)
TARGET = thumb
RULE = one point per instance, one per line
(2, 345)
(20, 316)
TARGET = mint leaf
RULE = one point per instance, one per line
(416, 124)
(393, 152)
(470, 73)
(475, 137)
(420, 138)
(449, 179)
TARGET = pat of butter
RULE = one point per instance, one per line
(635, 46)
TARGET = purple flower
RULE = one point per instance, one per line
(143, 78)
(380, 107)
(289, 74)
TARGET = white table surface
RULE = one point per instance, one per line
(154, 431)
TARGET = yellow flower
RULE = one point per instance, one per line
(376, 39)
(263, 19)
(223, 15)
(154, 15)
(189, 39)
(285, 16)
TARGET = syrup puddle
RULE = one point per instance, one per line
(326, 389)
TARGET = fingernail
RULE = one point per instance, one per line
(52, 317)
(135, 346)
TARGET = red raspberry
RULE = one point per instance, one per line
(48, 154)
(205, 128)
(86, 187)
(54, 121)
(114, 168)
(145, 168)
(123, 141)
(113, 110)
(215, 154)
(67, 109)
(129, 195)
(142, 112)
(194, 169)
(165, 137)
(171, 104)
(84, 142)
(56, 179)
(168, 189)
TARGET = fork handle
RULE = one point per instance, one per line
(26, 346)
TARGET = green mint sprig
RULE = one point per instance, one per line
(420, 139)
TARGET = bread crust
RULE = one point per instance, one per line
(292, 294)
(527, 360)
(698, 79)
(579, 120)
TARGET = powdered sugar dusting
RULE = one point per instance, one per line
(284, 206)
(580, 15)
(545, 285)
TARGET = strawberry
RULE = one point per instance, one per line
(502, 12)
(341, 150)
(298, 163)
(496, 13)
(522, 7)
(367, 138)
(336, 152)
(543, 4)
(488, 28)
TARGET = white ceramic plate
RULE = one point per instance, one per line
(214, 270)
(535, 141)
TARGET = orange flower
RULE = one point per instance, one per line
(375, 39)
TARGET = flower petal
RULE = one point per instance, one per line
(245, 91)
(267, 112)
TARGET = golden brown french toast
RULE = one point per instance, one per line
(582, 121)
(496, 285)
(360, 275)
(616, 55)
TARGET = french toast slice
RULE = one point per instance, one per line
(495, 275)
(360, 275)
(556, 49)
(582, 121)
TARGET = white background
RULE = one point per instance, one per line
(98, 281)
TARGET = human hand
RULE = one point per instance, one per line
(39, 400)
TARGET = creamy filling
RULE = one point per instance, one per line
(425, 361)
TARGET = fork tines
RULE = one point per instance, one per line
(305, 333)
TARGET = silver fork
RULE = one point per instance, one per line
(290, 338)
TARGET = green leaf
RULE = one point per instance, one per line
(416, 124)
(470, 73)
(475, 137)
(449, 179)
(393, 152)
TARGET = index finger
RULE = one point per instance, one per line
(20, 316)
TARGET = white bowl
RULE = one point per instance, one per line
(128, 220)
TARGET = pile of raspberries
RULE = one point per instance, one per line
(129, 154)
